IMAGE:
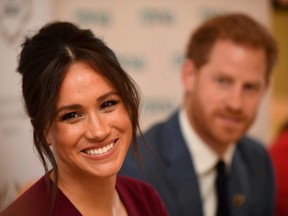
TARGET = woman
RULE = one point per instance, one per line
(84, 110)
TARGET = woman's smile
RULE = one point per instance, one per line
(96, 152)
(92, 131)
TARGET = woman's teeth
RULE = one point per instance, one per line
(99, 151)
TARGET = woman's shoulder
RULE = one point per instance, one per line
(25, 204)
(140, 197)
(39, 200)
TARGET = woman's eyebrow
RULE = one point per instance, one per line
(68, 107)
(78, 106)
(102, 97)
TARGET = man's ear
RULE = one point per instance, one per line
(188, 75)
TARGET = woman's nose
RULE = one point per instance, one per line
(97, 128)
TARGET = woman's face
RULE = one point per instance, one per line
(92, 130)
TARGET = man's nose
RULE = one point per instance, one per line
(235, 99)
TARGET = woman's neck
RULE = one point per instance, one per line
(91, 195)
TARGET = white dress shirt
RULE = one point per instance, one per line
(204, 160)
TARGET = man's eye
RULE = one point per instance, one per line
(251, 87)
(69, 116)
(108, 104)
(223, 81)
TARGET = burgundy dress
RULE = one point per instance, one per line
(138, 197)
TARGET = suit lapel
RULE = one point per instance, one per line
(179, 169)
(239, 185)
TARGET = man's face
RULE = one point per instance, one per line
(222, 97)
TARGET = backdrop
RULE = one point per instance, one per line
(149, 37)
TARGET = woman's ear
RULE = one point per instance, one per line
(188, 75)
(48, 137)
(47, 133)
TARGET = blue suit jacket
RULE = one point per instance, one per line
(167, 165)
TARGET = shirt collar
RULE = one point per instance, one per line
(204, 158)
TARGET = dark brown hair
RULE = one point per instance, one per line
(43, 63)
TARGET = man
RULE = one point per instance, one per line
(226, 72)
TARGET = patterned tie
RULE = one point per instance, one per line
(223, 208)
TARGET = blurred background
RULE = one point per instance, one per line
(149, 37)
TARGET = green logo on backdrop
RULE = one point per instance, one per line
(208, 12)
(157, 16)
(154, 105)
(132, 62)
(177, 59)
(98, 17)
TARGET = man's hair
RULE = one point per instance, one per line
(238, 28)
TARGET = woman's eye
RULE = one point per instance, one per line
(69, 116)
(108, 104)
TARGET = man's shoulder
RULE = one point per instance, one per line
(161, 129)
(251, 145)
(253, 152)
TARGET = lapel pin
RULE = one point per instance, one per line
(238, 200)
